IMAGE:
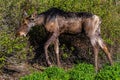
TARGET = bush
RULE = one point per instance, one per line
(10, 46)
(35, 76)
(82, 71)
(109, 73)
(55, 73)
(51, 73)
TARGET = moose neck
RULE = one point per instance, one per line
(40, 19)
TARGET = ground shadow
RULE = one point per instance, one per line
(81, 52)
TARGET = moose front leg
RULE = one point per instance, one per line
(56, 47)
(52, 38)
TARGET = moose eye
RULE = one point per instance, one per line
(31, 19)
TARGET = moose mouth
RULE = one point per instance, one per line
(21, 34)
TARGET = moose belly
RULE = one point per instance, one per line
(72, 28)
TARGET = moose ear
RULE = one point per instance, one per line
(34, 15)
(25, 14)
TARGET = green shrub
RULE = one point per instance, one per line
(51, 73)
(35, 76)
(12, 46)
(79, 72)
(82, 71)
(55, 73)
(109, 73)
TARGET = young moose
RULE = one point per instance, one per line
(57, 21)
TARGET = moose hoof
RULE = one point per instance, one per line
(49, 64)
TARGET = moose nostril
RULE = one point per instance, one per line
(22, 34)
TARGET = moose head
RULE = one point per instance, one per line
(26, 24)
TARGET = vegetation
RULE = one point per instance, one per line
(15, 50)
(11, 46)
(109, 73)
(79, 72)
(82, 72)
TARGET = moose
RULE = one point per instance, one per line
(57, 21)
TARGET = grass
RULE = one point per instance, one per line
(81, 71)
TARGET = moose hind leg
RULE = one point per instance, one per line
(105, 49)
(56, 47)
(95, 49)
